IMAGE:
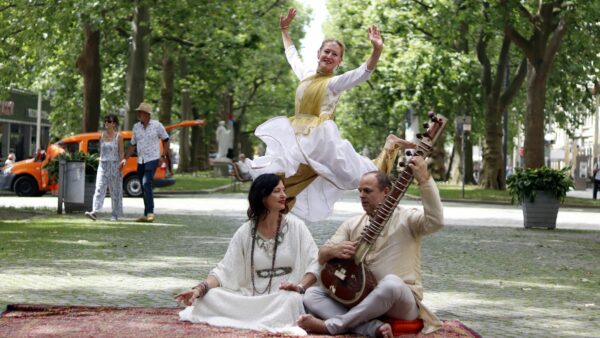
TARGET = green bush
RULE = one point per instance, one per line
(91, 163)
(524, 183)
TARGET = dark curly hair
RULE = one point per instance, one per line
(261, 188)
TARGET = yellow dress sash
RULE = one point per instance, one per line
(308, 110)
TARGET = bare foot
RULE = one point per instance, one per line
(313, 324)
(385, 331)
(392, 142)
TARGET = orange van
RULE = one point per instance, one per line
(28, 178)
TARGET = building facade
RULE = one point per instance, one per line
(18, 124)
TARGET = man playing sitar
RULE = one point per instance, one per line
(393, 258)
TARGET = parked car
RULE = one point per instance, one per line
(29, 178)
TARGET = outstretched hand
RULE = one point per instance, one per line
(284, 22)
(187, 297)
(375, 37)
(289, 287)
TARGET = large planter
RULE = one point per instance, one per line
(542, 212)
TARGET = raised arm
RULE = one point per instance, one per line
(284, 24)
(361, 74)
(377, 42)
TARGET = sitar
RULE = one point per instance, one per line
(349, 281)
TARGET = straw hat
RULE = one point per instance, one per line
(145, 107)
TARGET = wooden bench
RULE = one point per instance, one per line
(236, 176)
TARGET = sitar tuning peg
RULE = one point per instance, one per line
(419, 136)
(431, 115)
(409, 153)
(402, 164)
(426, 125)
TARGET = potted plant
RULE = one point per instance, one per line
(539, 191)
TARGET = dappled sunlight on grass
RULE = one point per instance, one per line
(78, 242)
(524, 285)
(12, 232)
(448, 299)
(517, 313)
(488, 277)
(117, 284)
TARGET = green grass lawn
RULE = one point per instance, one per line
(201, 180)
(204, 180)
(539, 283)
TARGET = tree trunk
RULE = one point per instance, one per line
(199, 150)
(242, 144)
(166, 91)
(534, 120)
(437, 167)
(463, 158)
(498, 94)
(456, 160)
(547, 31)
(186, 113)
(460, 165)
(138, 59)
(246, 144)
(88, 64)
(492, 173)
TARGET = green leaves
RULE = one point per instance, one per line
(524, 183)
(91, 163)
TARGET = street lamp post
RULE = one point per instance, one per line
(594, 87)
(595, 150)
(463, 125)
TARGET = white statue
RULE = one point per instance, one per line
(223, 140)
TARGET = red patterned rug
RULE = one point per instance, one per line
(28, 320)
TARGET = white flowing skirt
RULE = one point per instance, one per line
(333, 158)
(276, 312)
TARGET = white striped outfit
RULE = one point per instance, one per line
(109, 176)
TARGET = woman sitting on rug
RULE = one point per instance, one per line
(307, 148)
(270, 261)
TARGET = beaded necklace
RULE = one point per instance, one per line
(252, 271)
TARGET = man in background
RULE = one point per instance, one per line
(147, 135)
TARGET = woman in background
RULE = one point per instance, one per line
(109, 174)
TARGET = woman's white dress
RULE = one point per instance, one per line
(314, 141)
(233, 305)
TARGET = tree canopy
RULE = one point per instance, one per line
(224, 59)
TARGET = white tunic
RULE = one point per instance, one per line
(317, 144)
(233, 305)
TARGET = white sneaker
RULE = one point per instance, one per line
(91, 215)
(114, 219)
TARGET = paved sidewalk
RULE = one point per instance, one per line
(483, 268)
(456, 213)
(587, 193)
